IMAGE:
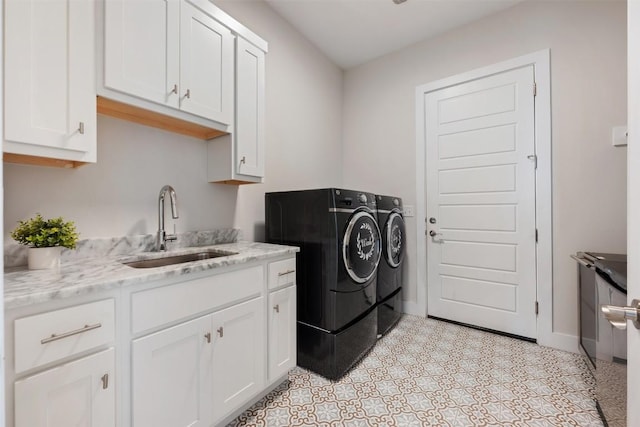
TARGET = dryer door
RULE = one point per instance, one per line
(393, 239)
(361, 247)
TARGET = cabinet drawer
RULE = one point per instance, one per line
(282, 273)
(167, 304)
(50, 336)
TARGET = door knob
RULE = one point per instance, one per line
(432, 233)
(618, 316)
(432, 220)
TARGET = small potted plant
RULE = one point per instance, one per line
(45, 238)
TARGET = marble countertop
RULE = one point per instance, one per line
(85, 276)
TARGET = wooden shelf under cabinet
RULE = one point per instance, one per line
(40, 161)
(123, 111)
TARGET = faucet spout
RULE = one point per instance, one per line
(163, 237)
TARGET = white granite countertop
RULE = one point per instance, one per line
(85, 276)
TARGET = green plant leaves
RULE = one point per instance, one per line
(41, 233)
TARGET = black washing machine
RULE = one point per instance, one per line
(340, 248)
(389, 287)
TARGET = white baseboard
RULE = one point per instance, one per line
(559, 341)
(410, 307)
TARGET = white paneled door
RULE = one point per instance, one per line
(481, 253)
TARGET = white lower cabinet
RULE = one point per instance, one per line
(79, 393)
(238, 355)
(190, 352)
(197, 372)
(172, 378)
(282, 332)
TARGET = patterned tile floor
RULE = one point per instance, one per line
(431, 373)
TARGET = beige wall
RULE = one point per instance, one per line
(118, 195)
(588, 77)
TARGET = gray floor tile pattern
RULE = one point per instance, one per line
(431, 373)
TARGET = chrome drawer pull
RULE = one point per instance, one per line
(220, 331)
(284, 273)
(277, 308)
(55, 337)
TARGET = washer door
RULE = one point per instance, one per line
(393, 239)
(361, 247)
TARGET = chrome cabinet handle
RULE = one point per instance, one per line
(188, 94)
(284, 273)
(277, 308)
(175, 89)
(220, 331)
(618, 316)
(105, 381)
(81, 128)
(207, 336)
(583, 262)
(55, 337)
(243, 160)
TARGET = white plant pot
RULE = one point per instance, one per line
(44, 258)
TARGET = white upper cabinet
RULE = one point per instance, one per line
(250, 109)
(141, 49)
(206, 65)
(170, 53)
(49, 81)
(239, 158)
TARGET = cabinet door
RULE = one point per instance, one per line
(282, 332)
(172, 381)
(206, 65)
(80, 393)
(238, 355)
(249, 126)
(141, 49)
(50, 93)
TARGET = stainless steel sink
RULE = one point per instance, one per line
(178, 259)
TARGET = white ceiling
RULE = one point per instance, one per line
(352, 32)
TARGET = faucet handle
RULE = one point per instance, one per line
(171, 237)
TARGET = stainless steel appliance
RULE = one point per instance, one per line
(603, 282)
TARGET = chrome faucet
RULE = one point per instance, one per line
(163, 237)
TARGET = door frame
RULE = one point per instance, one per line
(544, 250)
(633, 203)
